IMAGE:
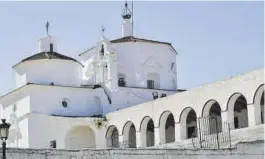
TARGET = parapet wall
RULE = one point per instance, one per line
(246, 150)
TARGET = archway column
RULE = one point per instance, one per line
(254, 115)
(138, 139)
(228, 117)
(178, 135)
(157, 136)
(120, 141)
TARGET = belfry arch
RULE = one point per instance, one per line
(147, 134)
(112, 137)
(188, 123)
(167, 127)
(212, 114)
(237, 111)
(259, 105)
(80, 137)
(129, 135)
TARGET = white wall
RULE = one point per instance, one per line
(81, 101)
(87, 59)
(60, 72)
(196, 98)
(44, 43)
(20, 79)
(44, 128)
(137, 59)
(125, 97)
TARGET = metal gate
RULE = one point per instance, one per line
(211, 133)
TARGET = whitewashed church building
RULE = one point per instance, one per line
(106, 96)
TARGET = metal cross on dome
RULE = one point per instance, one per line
(47, 27)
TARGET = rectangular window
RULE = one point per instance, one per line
(121, 82)
(53, 144)
(51, 47)
(150, 84)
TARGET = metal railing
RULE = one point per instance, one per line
(211, 133)
(111, 143)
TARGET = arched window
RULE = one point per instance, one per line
(167, 127)
(259, 105)
(101, 52)
(237, 111)
(188, 123)
(112, 137)
(262, 108)
(147, 132)
(129, 135)
(212, 113)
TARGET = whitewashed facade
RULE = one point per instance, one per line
(107, 95)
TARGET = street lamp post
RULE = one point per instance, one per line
(4, 130)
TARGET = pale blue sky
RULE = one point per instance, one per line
(215, 40)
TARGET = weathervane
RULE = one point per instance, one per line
(47, 27)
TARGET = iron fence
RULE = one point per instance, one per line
(111, 143)
(211, 133)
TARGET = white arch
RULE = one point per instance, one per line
(257, 104)
(210, 126)
(163, 133)
(129, 135)
(183, 122)
(112, 136)
(80, 137)
(147, 138)
(207, 107)
(231, 114)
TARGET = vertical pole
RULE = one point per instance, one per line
(4, 149)
(132, 17)
(200, 140)
(216, 127)
(229, 135)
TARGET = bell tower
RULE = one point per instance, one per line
(127, 28)
(48, 42)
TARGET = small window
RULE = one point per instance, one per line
(172, 66)
(14, 108)
(53, 144)
(121, 80)
(101, 52)
(163, 95)
(51, 47)
(150, 84)
(65, 102)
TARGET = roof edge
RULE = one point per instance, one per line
(25, 60)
